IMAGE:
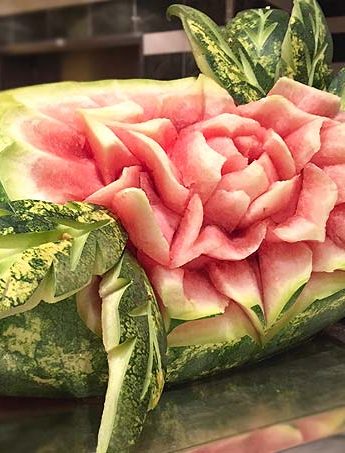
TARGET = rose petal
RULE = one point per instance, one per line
(337, 174)
(332, 151)
(280, 155)
(252, 180)
(104, 196)
(307, 98)
(316, 201)
(277, 113)
(226, 209)
(152, 155)
(187, 233)
(199, 164)
(305, 142)
(226, 147)
(277, 198)
(137, 216)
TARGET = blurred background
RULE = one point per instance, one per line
(53, 40)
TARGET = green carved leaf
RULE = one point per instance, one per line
(259, 33)
(337, 86)
(307, 48)
(235, 71)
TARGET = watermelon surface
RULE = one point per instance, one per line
(227, 208)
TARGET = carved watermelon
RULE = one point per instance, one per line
(234, 212)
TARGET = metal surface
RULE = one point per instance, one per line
(286, 401)
(165, 42)
(8, 7)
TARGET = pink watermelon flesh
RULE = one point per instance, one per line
(277, 113)
(307, 98)
(280, 155)
(154, 158)
(183, 109)
(104, 196)
(237, 281)
(327, 256)
(61, 182)
(188, 232)
(134, 209)
(229, 327)
(110, 154)
(186, 294)
(249, 146)
(252, 180)
(267, 164)
(309, 221)
(284, 214)
(214, 243)
(337, 174)
(332, 150)
(340, 117)
(305, 142)
(216, 99)
(56, 138)
(278, 197)
(227, 125)
(336, 225)
(203, 188)
(199, 165)
(161, 130)
(226, 209)
(234, 159)
(124, 111)
(67, 112)
(167, 220)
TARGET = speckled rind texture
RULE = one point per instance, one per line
(49, 352)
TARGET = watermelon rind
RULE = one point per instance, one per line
(48, 251)
(207, 346)
(320, 314)
(190, 363)
(134, 350)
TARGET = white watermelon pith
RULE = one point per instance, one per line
(225, 206)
